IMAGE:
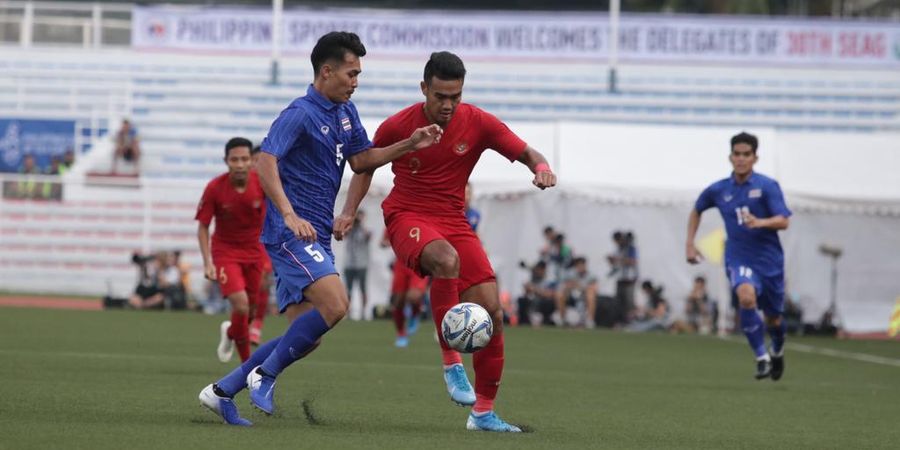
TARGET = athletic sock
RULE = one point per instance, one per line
(399, 320)
(777, 334)
(488, 364)
(239, 332)
(235, 381)
(299, 339)
(444, 295)
(753, 329)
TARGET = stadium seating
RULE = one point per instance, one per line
(186, 107)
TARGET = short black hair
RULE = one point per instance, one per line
(255, 150)
(700, 279)
(334, 46)
(745, 138)
(237, 142)
(445, 66)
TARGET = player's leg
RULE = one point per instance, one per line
(478, 284)
(590, 300)
(772, 304)
(745, 284)
(236, 334)
(252, 273)
(562, 296)
(262, 306)
(305, 273)
(362, 290)
(414, 298)
(399, 284)
(419, 246)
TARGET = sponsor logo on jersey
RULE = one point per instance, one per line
(324, 129)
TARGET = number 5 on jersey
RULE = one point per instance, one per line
(316, 255)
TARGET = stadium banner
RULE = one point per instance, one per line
(528, 35)
(43, 139)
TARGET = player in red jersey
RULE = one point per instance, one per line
(258, 312)
(237, 202)
(425, 218)
(407, 288)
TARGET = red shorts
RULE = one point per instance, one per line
(410, 232)
(406, 280)
(236, 276)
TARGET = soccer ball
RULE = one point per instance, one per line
(467, 327)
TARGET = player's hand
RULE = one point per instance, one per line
(693, 255)
(544, 179)
(342, 225)
(752, 221)
(302, 229)
(209, 272)
(426, 136)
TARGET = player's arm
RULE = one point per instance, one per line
(359, 186)
(374, 158)
(209, 269)
(778, 222)
(267, 168)
(537, 164)
(693, 255)
(774, 199)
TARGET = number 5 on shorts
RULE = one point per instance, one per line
(316, 255)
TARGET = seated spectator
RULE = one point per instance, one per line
(578, 289)
(147, 295)
(170, 281)
(655, 313)
(53, 189)
(68, 160)
(537, 304)
(698, 310)
(127, 147)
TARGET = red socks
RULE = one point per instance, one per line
(239, 332)
(488, 363)
(399, 319)
(444, 295)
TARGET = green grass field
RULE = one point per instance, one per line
(130, 380)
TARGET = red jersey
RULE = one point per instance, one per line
(239, 218)
(433, 180)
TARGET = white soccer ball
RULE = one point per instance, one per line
(467, 327)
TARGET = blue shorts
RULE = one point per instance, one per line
(769, 289)
(297, 264)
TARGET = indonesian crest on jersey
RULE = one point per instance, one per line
(461, 148)
(414, 165)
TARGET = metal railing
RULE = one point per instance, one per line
(88, 25)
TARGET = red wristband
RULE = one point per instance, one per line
(542, 167)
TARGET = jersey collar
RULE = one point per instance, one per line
(319, 99)
(750, 180)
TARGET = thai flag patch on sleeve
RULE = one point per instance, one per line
(345, 123)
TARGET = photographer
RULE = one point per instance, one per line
(655, 314)
(537, 304)
(147, 294)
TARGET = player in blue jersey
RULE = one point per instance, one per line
(753, 209)
(473, 216)
(300, 169)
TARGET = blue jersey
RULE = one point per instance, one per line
(312, 139)
(760, 196)
(473, 217)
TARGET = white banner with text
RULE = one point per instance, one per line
(528, 35)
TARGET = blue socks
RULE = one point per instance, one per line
(297, 341)
(752, 325)
(235, 381)
(777, 334)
